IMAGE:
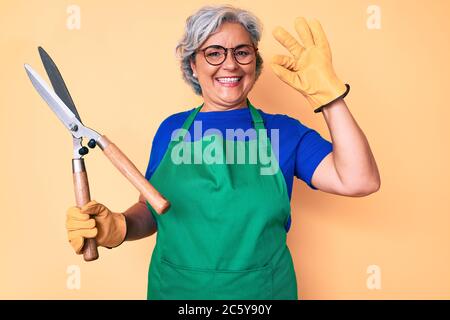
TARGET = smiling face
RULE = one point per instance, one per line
(220, 93)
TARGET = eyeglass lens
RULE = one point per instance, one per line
(216, 54)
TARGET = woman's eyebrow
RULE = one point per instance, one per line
(218, 45)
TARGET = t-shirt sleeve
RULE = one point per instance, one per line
(162, 139)
(152, 163)
(159, 145)
(311, 150)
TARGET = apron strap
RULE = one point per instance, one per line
(188, 122)
(256, 117)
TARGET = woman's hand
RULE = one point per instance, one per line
(108, 228)
(310, 70)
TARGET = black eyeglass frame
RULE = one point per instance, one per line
(226, 53)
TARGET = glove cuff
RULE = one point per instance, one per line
(118, 231)
(319, 109)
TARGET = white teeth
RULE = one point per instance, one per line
(228, 80)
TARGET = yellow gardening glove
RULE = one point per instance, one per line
(108, 228)
(310, 70)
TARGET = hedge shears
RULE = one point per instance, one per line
(63, 106)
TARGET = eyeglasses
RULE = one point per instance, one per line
(216, 55)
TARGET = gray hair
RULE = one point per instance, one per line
(202, 24)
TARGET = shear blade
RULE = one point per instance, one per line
(57, 81)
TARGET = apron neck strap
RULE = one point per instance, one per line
(256, 117)
(190, 119)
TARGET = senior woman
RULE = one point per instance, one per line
(224, 236)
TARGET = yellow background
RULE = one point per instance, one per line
(123, 76)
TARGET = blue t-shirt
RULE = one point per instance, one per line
(301, 149)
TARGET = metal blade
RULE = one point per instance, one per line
(57, 81)
(55, 103)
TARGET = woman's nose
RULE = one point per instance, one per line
(230, 62)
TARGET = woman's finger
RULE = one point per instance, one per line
(288, 41)
(72, 225)
(85, 233)
(304, 32)
(74, 213)
(285, 61)
(320, 39)
(284, 74)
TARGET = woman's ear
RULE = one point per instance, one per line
(194, 69)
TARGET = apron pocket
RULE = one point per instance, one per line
(186, 283)
(251, 284)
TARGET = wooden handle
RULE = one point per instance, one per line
(82, 196)
(128, 169)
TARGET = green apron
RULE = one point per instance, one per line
(224, 235)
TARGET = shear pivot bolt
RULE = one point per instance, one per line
(83, 151)
(92, 143)
(73, 127)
